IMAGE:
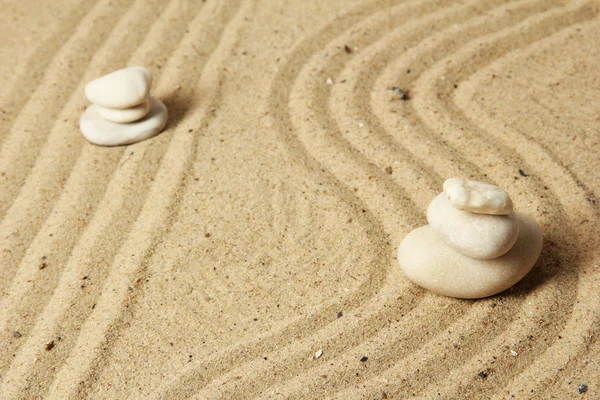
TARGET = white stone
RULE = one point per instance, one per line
(123, 88)
(477, 197)
(123, 116)
(481, 236)
(99, 131)
(427, 261)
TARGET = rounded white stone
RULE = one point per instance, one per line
(123, 88)
(479, 236)
(126, 115)
(477, 197)
(99, 131)
(427, 261)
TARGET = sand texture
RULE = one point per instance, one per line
(215, 260)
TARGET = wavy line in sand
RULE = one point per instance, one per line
(49, 237)
(373, 385)
(124, 197)
(197, 377)
(371, 325)
(424, 146)
(310, 389)
(250, 378)
(418, 324)
(30, 126)
(160, 207)
(56, 100)
(253, 383)
(89, 155)
(574, 333)
(35, 196)
(26, 200)
(558, 288)
(378, 144)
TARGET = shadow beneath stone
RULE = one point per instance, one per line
(179, 105)
(553, 262)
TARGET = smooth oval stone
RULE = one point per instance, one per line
(123, 88)
(427, 261)
(126, 115)
(477, 197)
(99, 131)
(479, 236)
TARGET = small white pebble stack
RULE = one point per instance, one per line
(475, 244)
(122, 112)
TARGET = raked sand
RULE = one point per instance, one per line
(215, 260)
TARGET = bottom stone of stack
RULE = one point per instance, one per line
(427, 261)
(102, 132)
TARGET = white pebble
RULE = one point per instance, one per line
(480, 236)
(319, 353)
(99, 131)
(513, 353)
(126, 115)
(329, 81)
(427, 261)
(123, 88)
(477, 197)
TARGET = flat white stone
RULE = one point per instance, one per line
(123, 88)
(123, 116)
(427, 261)
(481, 236)
(477, 197)
(99, 131)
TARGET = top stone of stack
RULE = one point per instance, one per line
(477, 197)
(120, 89)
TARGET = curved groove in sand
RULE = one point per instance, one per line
(85, 179)
(239, 385)
(370, 323)
(374, 384)
(521, 327)
(80, 259)
(80, 173)
(424, 352)
(418, 324)
(254, 382)
(198, 377)
(357, 143)
(571, 329)
(102, 326)
(55, 100)
(35, 194)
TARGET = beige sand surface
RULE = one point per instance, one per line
(214, 260)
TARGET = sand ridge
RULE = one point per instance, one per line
(214, 260)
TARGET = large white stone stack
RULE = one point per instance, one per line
(123, 112)
(475, 244)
